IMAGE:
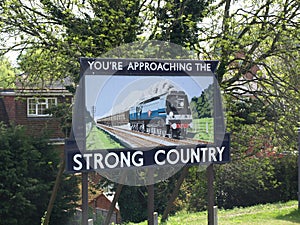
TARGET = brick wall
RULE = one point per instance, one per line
(36, 125)
(15, 110)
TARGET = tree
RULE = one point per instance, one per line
(258, 48)
(177, 21)
(28, 169)
(202, 106)
(7, 74)
(256, 181)
(251, 42)
(257, 44)
(52, 32)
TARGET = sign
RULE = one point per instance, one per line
(139, 113)
(129, 158)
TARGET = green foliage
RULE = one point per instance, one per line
(258, 48)
(193, 192)
(257, 128)
(54, 34)
(19, 187)
(178, 21)
(252, 181)
(287, 176)
(202, 106)
(28, 169)
(7, 74)
(243, 182)
(133, 203)
(45, 67)
(66, 200)
(63, 113)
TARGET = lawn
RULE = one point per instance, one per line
(275, 214)
(98, 139)
(203, 128)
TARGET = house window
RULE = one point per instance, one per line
(38, 106)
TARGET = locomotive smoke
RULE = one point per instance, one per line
(158, 89)
(161, 88)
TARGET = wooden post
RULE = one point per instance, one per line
(298, 168)
(113, 204)
(84, 193)
(150, 204)
(54, 191)
(82, 146)
(183, 174)
(211, 196)
(219, 132)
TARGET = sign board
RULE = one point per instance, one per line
(158, 156)
(137, 113)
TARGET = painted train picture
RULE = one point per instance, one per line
(149, 111)
(167, 114)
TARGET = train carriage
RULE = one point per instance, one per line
(118, 119)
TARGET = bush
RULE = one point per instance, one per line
(133, 202)
(193, 193)
(253, 181)
(28, 168)
(243, 182)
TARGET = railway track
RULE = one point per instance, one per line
(127, 138)
(137, 139)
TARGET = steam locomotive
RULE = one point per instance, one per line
(167, 115)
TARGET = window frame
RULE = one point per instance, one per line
(39, 106)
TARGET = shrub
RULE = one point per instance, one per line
(28, 168)
(256, 180)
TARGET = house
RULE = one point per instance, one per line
(101, 203)
(247, 85)
(28, 106)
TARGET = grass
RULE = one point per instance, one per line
(203, 128)
(275, 214)
(98, 139)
